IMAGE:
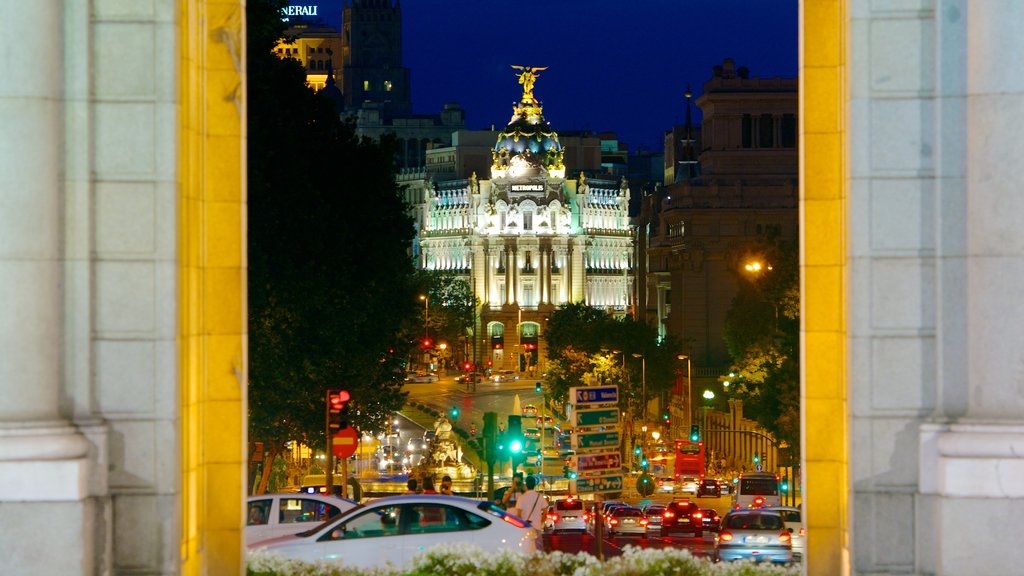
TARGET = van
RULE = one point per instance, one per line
(757, 490)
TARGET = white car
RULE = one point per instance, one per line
(392, 530)
(273, 515)
(795, 526)
(421, 377)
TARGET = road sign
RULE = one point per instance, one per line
(595, 417)
(344, 442)
(595, 440)
(593, 395)
(589, 464)
(759, 468)
(600, 484)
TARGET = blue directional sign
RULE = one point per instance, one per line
(599, 484)
(593, 395)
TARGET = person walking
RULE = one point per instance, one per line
(533, 507)
(411, 486)
(446, 486)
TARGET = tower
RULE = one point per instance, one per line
(371, 46)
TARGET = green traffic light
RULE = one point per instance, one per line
(643, 463)
(756, 458)
(516, 446)
(636, 451)
(538, 387)
(455, 412)
(573, 475)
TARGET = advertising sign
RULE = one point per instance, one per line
(596, 417)
(600, 484)
(594, 395)
(595, 440)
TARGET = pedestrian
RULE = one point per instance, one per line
(428, 485)
(446, 486)
(411, 486)
(533, 506)
(511, 496)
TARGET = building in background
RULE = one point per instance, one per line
(525, 235)
(691, 234)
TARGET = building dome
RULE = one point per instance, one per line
(528, 146)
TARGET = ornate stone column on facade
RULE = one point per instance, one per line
(507, 253)
(44, 471)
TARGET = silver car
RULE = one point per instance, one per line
(654, 513)
(795, 525)
(754, 534)
(627, 520)
(568, 515)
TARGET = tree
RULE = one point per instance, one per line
(328, 291)
(762, 333)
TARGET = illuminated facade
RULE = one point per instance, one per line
(527, 239)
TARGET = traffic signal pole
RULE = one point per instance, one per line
(328, 448)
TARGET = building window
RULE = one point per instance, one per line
(527, 220)
(387, 85)
(788, 131)
(528, 295)
(366, 85)
(747, 135)
(312, 65)
(528, 262)
(765, 131)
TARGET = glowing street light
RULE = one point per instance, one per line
(709, 395)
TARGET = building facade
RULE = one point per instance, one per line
(527, 239)
(693, 235)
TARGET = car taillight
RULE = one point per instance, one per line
(613, 521)
(514, 521)
(643, 521)
(758, 502)
(554, 517)
(586, 517)
(784, 537)
(698, 515)
(668, 514)
(725, 537)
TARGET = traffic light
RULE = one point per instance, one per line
(573, 475)
(426, 342)
(537, 388)
(467, 366)
(514, 435)
(490, 437)
(637, 451)
(337, 410)
(454, 412)
(695, 433)
(764, 457)
(757, 458)
(644, 463)
(665, 417)
(785, 485)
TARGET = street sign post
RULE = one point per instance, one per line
(595, 417)
(599, 484)
(595, 441)
(583, 395)
(597, 464)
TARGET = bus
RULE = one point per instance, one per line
(756, 490)
(689, 460)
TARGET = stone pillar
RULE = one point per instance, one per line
(43, 466)
(508, 276)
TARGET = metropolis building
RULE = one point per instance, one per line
(528, 238)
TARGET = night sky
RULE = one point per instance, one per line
(618, 66)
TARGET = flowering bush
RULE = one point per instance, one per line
(468, 560)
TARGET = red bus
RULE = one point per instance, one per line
(689, 459)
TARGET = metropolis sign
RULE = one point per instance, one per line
(299, 11)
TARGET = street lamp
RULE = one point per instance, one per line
(689, 390)
(426, 316)
(643, 383)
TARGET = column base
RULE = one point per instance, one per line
(43, 462)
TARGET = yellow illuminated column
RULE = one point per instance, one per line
(212, 284)
(823, 101)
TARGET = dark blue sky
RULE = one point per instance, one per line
(619, 66)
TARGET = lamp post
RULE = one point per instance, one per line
(643, 383)
(426, 316)
(689, 391)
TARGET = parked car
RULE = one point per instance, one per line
(394, 529)
(626, 520)
(654, 513)
(421, 377)
(273, 515)
(795, 526)
(568, 515)
(682, 516)
(709, 487)
(757, 534)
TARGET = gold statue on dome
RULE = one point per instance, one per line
(527, 77)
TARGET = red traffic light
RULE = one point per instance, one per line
(467, 366)
(426, 342)
(338, 399)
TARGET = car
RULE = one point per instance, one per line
(551, 453)
(710, 519)
(531, 434)
(392, 530)
(654, 513)
(273, 515)
(421, 377)
(666, 485)
(682, 516)
(709, 487)
(601, 511)
(567, 515)
(470, 378)
(504, 376)
(529, 410)
(795, 525)
(626, 520)
(687, 484)
(757, 534)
